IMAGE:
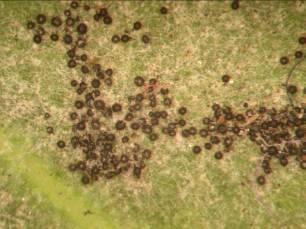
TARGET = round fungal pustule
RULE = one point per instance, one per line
(37, 39)
(226, 78)
(30, 25)
(261, 180)
(145, 39)
(82, 28)
(292, 89)
(284, 60)
(139, 81)
(56, 21)
(120, 125)
(163, 10)
(115, 38)
(137, 25)
(218, 155)
(61, 144)
(196, 149)
(235, 4)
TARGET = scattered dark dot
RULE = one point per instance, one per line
(73, 115)
(299, 133)
(163, 10)
(74, 4)
(137, 25)
(164, 91)
(129, 117)
(145, 39)
(50, 130)
(103, 12)
(261, 180)
(298, 54)
(125, 38)
(135, 126)
(208, 145)
(125, 139)
(82, 28)
(235, 5)
(84, 57)
(302, 40)
(41, 18)
(203, 133)
(292, 89)
(61, 144)
(283, 161)
(41, 31)
(303, 164)
(192, 131)
(214, 140)
(97, 16)
(68, 39)
(71, 53)
(86, 7)
(54, 37)
(196, 149)
(37, 39)
(117, 107)
(30, 25)
(185, 133)
(115, 38)
(284, 60)
(99, 104)
(67, 13)
(108, 81)
(72, 63)
(139, 81)
(107, 20)
(218, 155)
(95, 83)
(47, 115)
(69, 21)
(84, 69)
(79, 104)
(182, 110)
(153, 136)
(167, 101)
(56, 21)
(109, 72)
(120, 125)
(226, 78)
(85, 179)
(137, 172)
(72, 167)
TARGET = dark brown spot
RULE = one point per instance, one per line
(137, 25)
(284, 60)
(61, 144)
(145, 39)
(163, 10)
(41, 18)
(261, 180)
(82, 28)
(196, 149)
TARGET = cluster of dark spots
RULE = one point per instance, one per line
(108, 132)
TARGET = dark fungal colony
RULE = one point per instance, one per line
(109, 134)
